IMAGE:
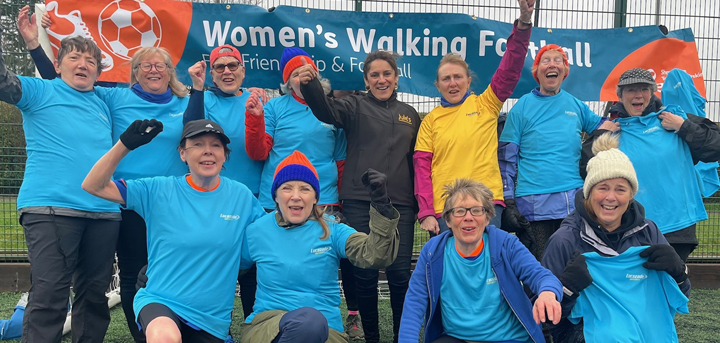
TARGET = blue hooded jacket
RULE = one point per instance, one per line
(511, 263)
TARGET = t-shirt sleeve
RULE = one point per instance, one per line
(340, 234)
(269, 119)
(139, 194)
(32, 92)
(590, 120)
(675, 297)
(488, 102)
(512, 132)
(424, 140)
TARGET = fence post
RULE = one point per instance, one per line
(358, 5)
(620, 13)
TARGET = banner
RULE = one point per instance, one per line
(338, 41)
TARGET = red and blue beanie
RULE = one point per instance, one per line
(295, 167)
(292, 58)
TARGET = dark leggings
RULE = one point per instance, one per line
(132, 256)
(398, 274)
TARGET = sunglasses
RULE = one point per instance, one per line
(219, 67)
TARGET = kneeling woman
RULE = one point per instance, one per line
(297, 251)
(195, 228)
(467, 283)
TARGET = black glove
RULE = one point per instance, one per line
(142, 278)
(576, 276)
(663, 257)
(140, 132)
(512, 220)
(376, 184)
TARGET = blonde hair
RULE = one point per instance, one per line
(176, 87)
(462, 188)
(319, 215)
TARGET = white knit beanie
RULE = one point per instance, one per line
(609, 163)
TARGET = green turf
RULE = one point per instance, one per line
(699, 326)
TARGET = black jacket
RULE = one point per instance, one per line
(701, 135)
(380, 135)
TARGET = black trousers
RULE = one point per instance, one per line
(132, 256)
(64, 251)
(398, 274)
(187, 333)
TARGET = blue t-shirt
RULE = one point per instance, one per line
(473, 309)
(626, 302)
(160, 157)
(547, 131)
(229, 112)
(194, 240)
(294, 127)
(66, 132)
(295, 268)
(668, 184)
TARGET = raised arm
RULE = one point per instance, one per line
(98, 181)
(28, 28)
(10, 86)
(196, 105)
(257, 142)
(508, 72)
(327, 110)
(379, 248)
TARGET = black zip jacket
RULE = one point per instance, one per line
(380, 135)
(701, 135)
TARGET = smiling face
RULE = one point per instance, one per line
(153, 81)
(453, 82)
(635, 98)
(609, 199)
(295, 200)
(468, 229)
(204, 155)
(381, 79)
(551, 72)
(78, 69)
(227, 80)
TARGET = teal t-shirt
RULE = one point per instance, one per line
(669, 186)
(473, 308)
(160, 157)
(294, 127)
(229, 112)
(66, 132)
(547, 131)
(194, 240)
(626, 302)
(295, 268)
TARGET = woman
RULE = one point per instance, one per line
(474, 274)
(380, 132)
(664, 144)
(195, 223)
(459, 137)
(155, 93)
(608, 220)
(294, 304)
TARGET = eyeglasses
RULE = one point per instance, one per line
(219, 67)
(476, 211)
(547, 60)
(147, 66)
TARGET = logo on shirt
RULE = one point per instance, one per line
(320, 251)
(175, 114)
(229, 216)
(471, 114)
(652, 129)
(327, 126)
(404, 119)
(636, 277)
(571, 113)
(491, 280)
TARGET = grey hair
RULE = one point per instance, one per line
(462, 188)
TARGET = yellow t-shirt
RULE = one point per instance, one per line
(463, 140)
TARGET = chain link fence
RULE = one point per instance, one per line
(703, 16)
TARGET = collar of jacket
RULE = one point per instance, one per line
(385, 103)
(654, 106)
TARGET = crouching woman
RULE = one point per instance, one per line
(467, 287)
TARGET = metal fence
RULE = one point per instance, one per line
(703, 16)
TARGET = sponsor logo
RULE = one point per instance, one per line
(636, 277)
(175, 114)
(404, 119)
(471, 114)
(210, 126)
(327, 126)
(652, 129)
(571, 113)
(491, 280)
(320, 251)
(230, 216)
